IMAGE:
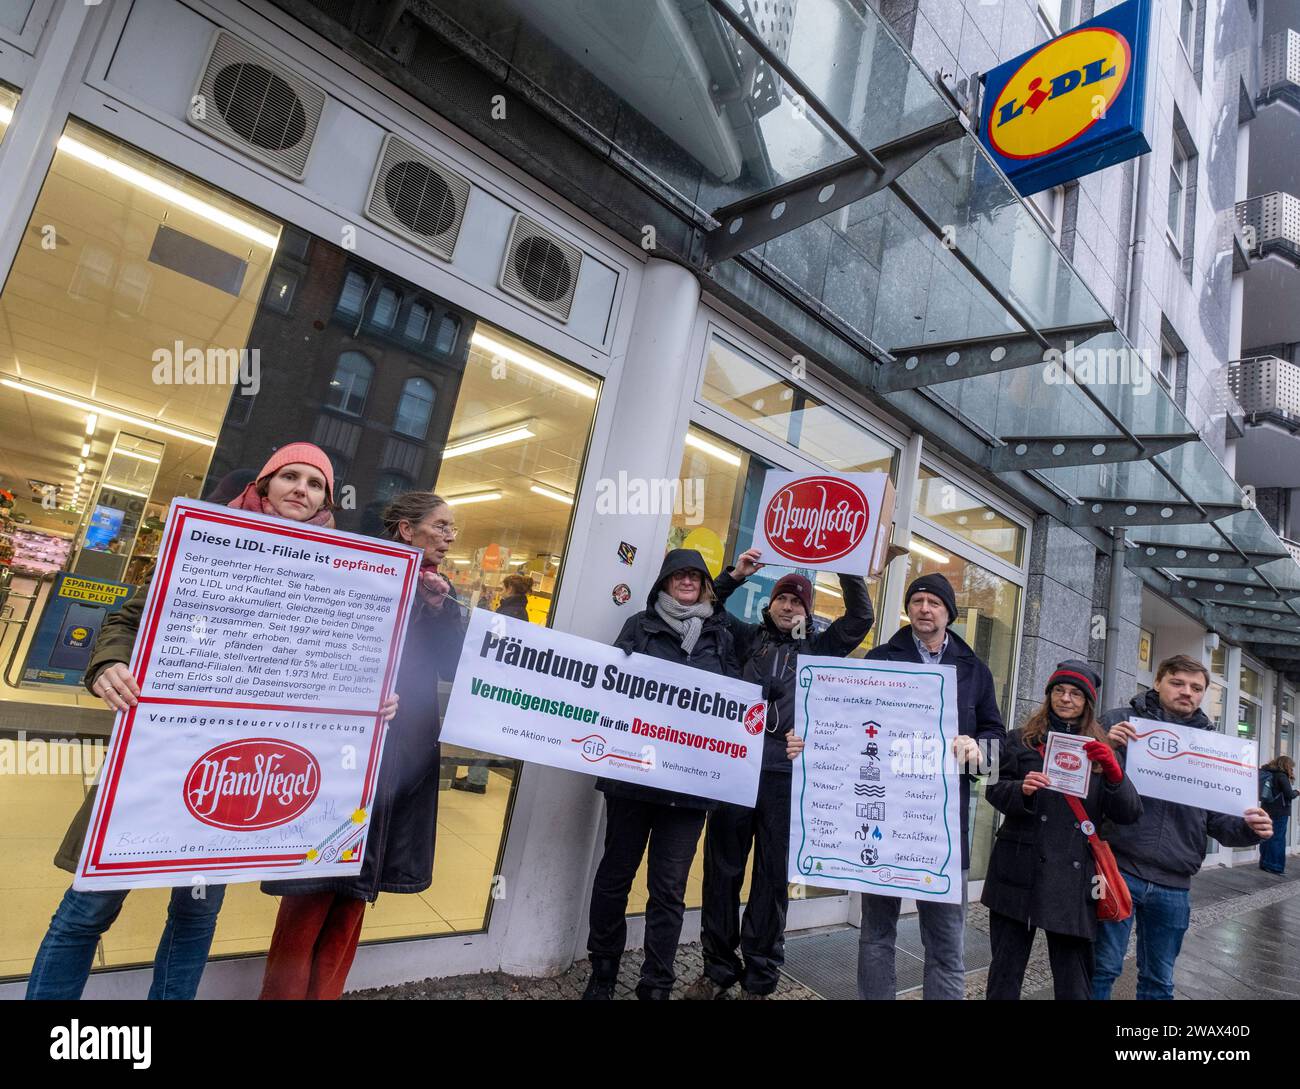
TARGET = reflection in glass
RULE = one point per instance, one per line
(953, 508)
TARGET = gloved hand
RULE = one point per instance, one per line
(1103, 755)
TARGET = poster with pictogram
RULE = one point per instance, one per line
(265, 651)
(875, 802)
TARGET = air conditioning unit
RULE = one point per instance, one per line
(540, 267)
(251, 102)
(417, 197)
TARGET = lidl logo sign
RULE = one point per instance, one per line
(1072, 105)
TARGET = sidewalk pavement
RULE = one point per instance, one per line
(1237, 947)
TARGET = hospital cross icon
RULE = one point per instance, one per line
(872, 728)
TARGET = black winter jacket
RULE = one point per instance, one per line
(1041, 869)
(714, 652)
(1167, 844)
(769, 656)
(977, 706)
(515, 605)
(1283, 792)
(399, 847)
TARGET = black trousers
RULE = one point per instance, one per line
(672, 833)
(760, 937)
(1070, 957)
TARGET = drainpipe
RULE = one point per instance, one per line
(1114, 594)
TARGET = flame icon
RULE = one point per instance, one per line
(876, 833)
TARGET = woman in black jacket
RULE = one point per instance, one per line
(319, 921)
(679, 625)
(514, 599)
(1041, 872)
(1281, 772)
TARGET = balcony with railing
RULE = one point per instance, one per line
(1265, 384)
(1279, 70)
(1270, 223)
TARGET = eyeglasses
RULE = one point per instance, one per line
(444, 529)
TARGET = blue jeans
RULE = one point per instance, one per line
(1162, 915)
(1272, 852)
(63, 961)
(943, 931)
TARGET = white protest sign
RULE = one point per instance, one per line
(264, 652)
(826, 521)
(876, 794)
(1203, 768)
(536, 694)
(1066, 764)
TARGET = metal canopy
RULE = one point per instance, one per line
(1228, 591)
(728, 111)
(953, 360)
(750, 222)
(1144, 512)
(1173, 557)
(1240, 634)
(1028, 452)
(1217, 615)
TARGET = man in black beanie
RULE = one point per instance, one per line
(931, 608)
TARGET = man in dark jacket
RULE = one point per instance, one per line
(769, 653)
(1158, 855)
(679, 624)
(932, 607)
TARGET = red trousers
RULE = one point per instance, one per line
(313, 945)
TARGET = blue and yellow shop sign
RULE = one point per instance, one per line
(1074, 104)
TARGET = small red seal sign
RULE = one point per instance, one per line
(756, 718)
(816, 518)
(1067, 761)
(252, 783)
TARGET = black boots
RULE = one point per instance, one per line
(604, 974)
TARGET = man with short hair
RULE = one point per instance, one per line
(1159, 853)
(931, 609)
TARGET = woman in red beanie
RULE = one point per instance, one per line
(297, 484)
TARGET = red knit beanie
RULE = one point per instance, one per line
(301, 453)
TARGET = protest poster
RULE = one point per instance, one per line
(265, 650)
(876, 795)
(825, 521)
(541, 695)
(1188, 766)
(1066, 764)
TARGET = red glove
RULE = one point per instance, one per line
(1101, 753)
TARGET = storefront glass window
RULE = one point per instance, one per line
(1215, 705)
(1218, 661)
(8, 103)
(744, 388)
(951, 507)
(145, 257)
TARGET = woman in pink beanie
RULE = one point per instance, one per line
(297, 484)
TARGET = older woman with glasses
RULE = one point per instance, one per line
(319, 921)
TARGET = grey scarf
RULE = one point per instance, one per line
(686, 620)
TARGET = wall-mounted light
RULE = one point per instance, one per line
(159, 188)
(486, 441)
(925, 550)
(712, 449)
(551, 493)
(472, 497)
(535, 366)
(24, 386)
